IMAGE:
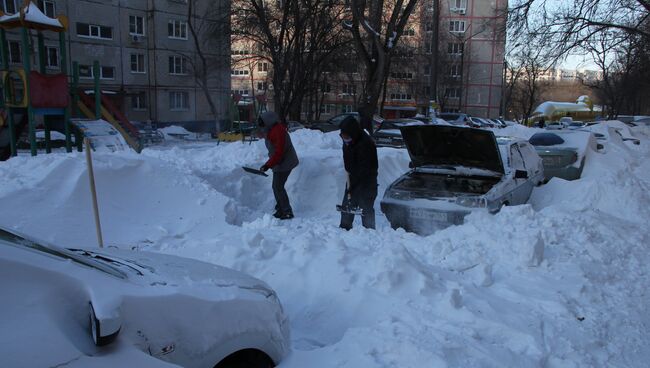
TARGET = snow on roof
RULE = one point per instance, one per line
(549, 108)
(33, 18)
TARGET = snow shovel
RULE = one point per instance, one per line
(347, 209)
(254, 171)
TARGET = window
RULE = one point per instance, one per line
(454, 71)
(177, 29)
(136, 25)
(457, 26)
(105, 72)
(240, 92)
(327, 109)
(15, 52)
(427, 47)
(452, 92)
(47, 7)
(263, 67)
(455, 48)
(458, 6)
(427, 70)
(177, 65)
(9, 6)
(137, 63)
(262, 86)
(239, 72)
(349, 89)
(428, 27)
(427, 90)
(94, 31)
(401, 75)
(347, 108)
(409, 32)
(52, 57)
(139, 101)
(240, 52)
(179, 101)
(516, 161)
(326, 88)
(400, 96)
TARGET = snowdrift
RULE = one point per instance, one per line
(561, 281)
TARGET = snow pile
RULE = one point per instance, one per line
(561, 281)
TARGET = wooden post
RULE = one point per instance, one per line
(93, 192)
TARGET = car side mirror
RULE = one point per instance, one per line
(411, 165)
(105, 327)
(521, 174)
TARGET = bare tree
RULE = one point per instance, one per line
(566, 26)
(209, 26)
(297, 37)
(376, 27)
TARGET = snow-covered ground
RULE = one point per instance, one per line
(561, 282)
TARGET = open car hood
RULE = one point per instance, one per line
(439, 145)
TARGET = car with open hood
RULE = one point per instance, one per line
(100, 306)
(389, 135)
(455, 171)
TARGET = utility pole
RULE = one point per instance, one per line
(434, 51)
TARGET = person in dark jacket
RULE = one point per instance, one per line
(282, 159)
(360, 159)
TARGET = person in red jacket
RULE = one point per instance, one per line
(282, 159)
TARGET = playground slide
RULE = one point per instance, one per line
(113, 116)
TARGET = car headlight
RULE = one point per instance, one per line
(399, 194)
(474, 201)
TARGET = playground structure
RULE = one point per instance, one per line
(582, 110)
(243, 114)
(28, 93)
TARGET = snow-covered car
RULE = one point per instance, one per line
(563, 153)
(455, 171)
(292, 125)
(333, 123)
(455, 118)
(607, 130)
(389, 135)
(62, 304)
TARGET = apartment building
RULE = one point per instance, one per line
(146, 52)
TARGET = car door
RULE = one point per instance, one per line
(522, 186)
(533, 163)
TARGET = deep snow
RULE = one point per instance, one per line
(560, 282)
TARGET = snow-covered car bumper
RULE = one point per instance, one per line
(421, 220)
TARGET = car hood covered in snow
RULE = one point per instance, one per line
(437, 145)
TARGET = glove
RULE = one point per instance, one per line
(264, 168)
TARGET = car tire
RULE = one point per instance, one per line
(248, 358)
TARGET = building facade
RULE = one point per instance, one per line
(451, 52)
(148, 58)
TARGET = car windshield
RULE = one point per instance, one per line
(10, 239)
(545, 139)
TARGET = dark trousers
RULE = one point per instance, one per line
(282, 204)
(364, 200)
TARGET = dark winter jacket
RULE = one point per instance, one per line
(360, 158)
(282, 154)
